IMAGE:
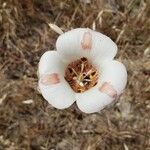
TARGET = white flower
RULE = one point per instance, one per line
(82, 70)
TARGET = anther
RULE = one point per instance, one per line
(70, 70)
(93, 73)
(83, 59)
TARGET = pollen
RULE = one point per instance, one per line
(81, 75)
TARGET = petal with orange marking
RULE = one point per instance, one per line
(92, 100)
(84, 42)
(54, 88)
(114, 73)
(112, 81)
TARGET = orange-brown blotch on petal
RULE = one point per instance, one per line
(108, 89)
(86, 42)
(50, 79)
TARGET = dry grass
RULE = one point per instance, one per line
(25, 35)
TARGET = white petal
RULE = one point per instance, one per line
(92, 100)
(50, 62)
(111, 72)
(58, 95)
(103, 47)
(56, 91)
(69, 44)
(85, 42)
(115, 73)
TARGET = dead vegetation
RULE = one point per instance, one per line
(26, 119)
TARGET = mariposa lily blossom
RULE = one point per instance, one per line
(82, 69)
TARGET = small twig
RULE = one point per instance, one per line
(55, 28)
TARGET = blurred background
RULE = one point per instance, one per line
(27, 121)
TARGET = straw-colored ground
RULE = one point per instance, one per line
(25, 36)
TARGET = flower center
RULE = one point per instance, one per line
(81, 75)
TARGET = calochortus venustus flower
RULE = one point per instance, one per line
(82, 69)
